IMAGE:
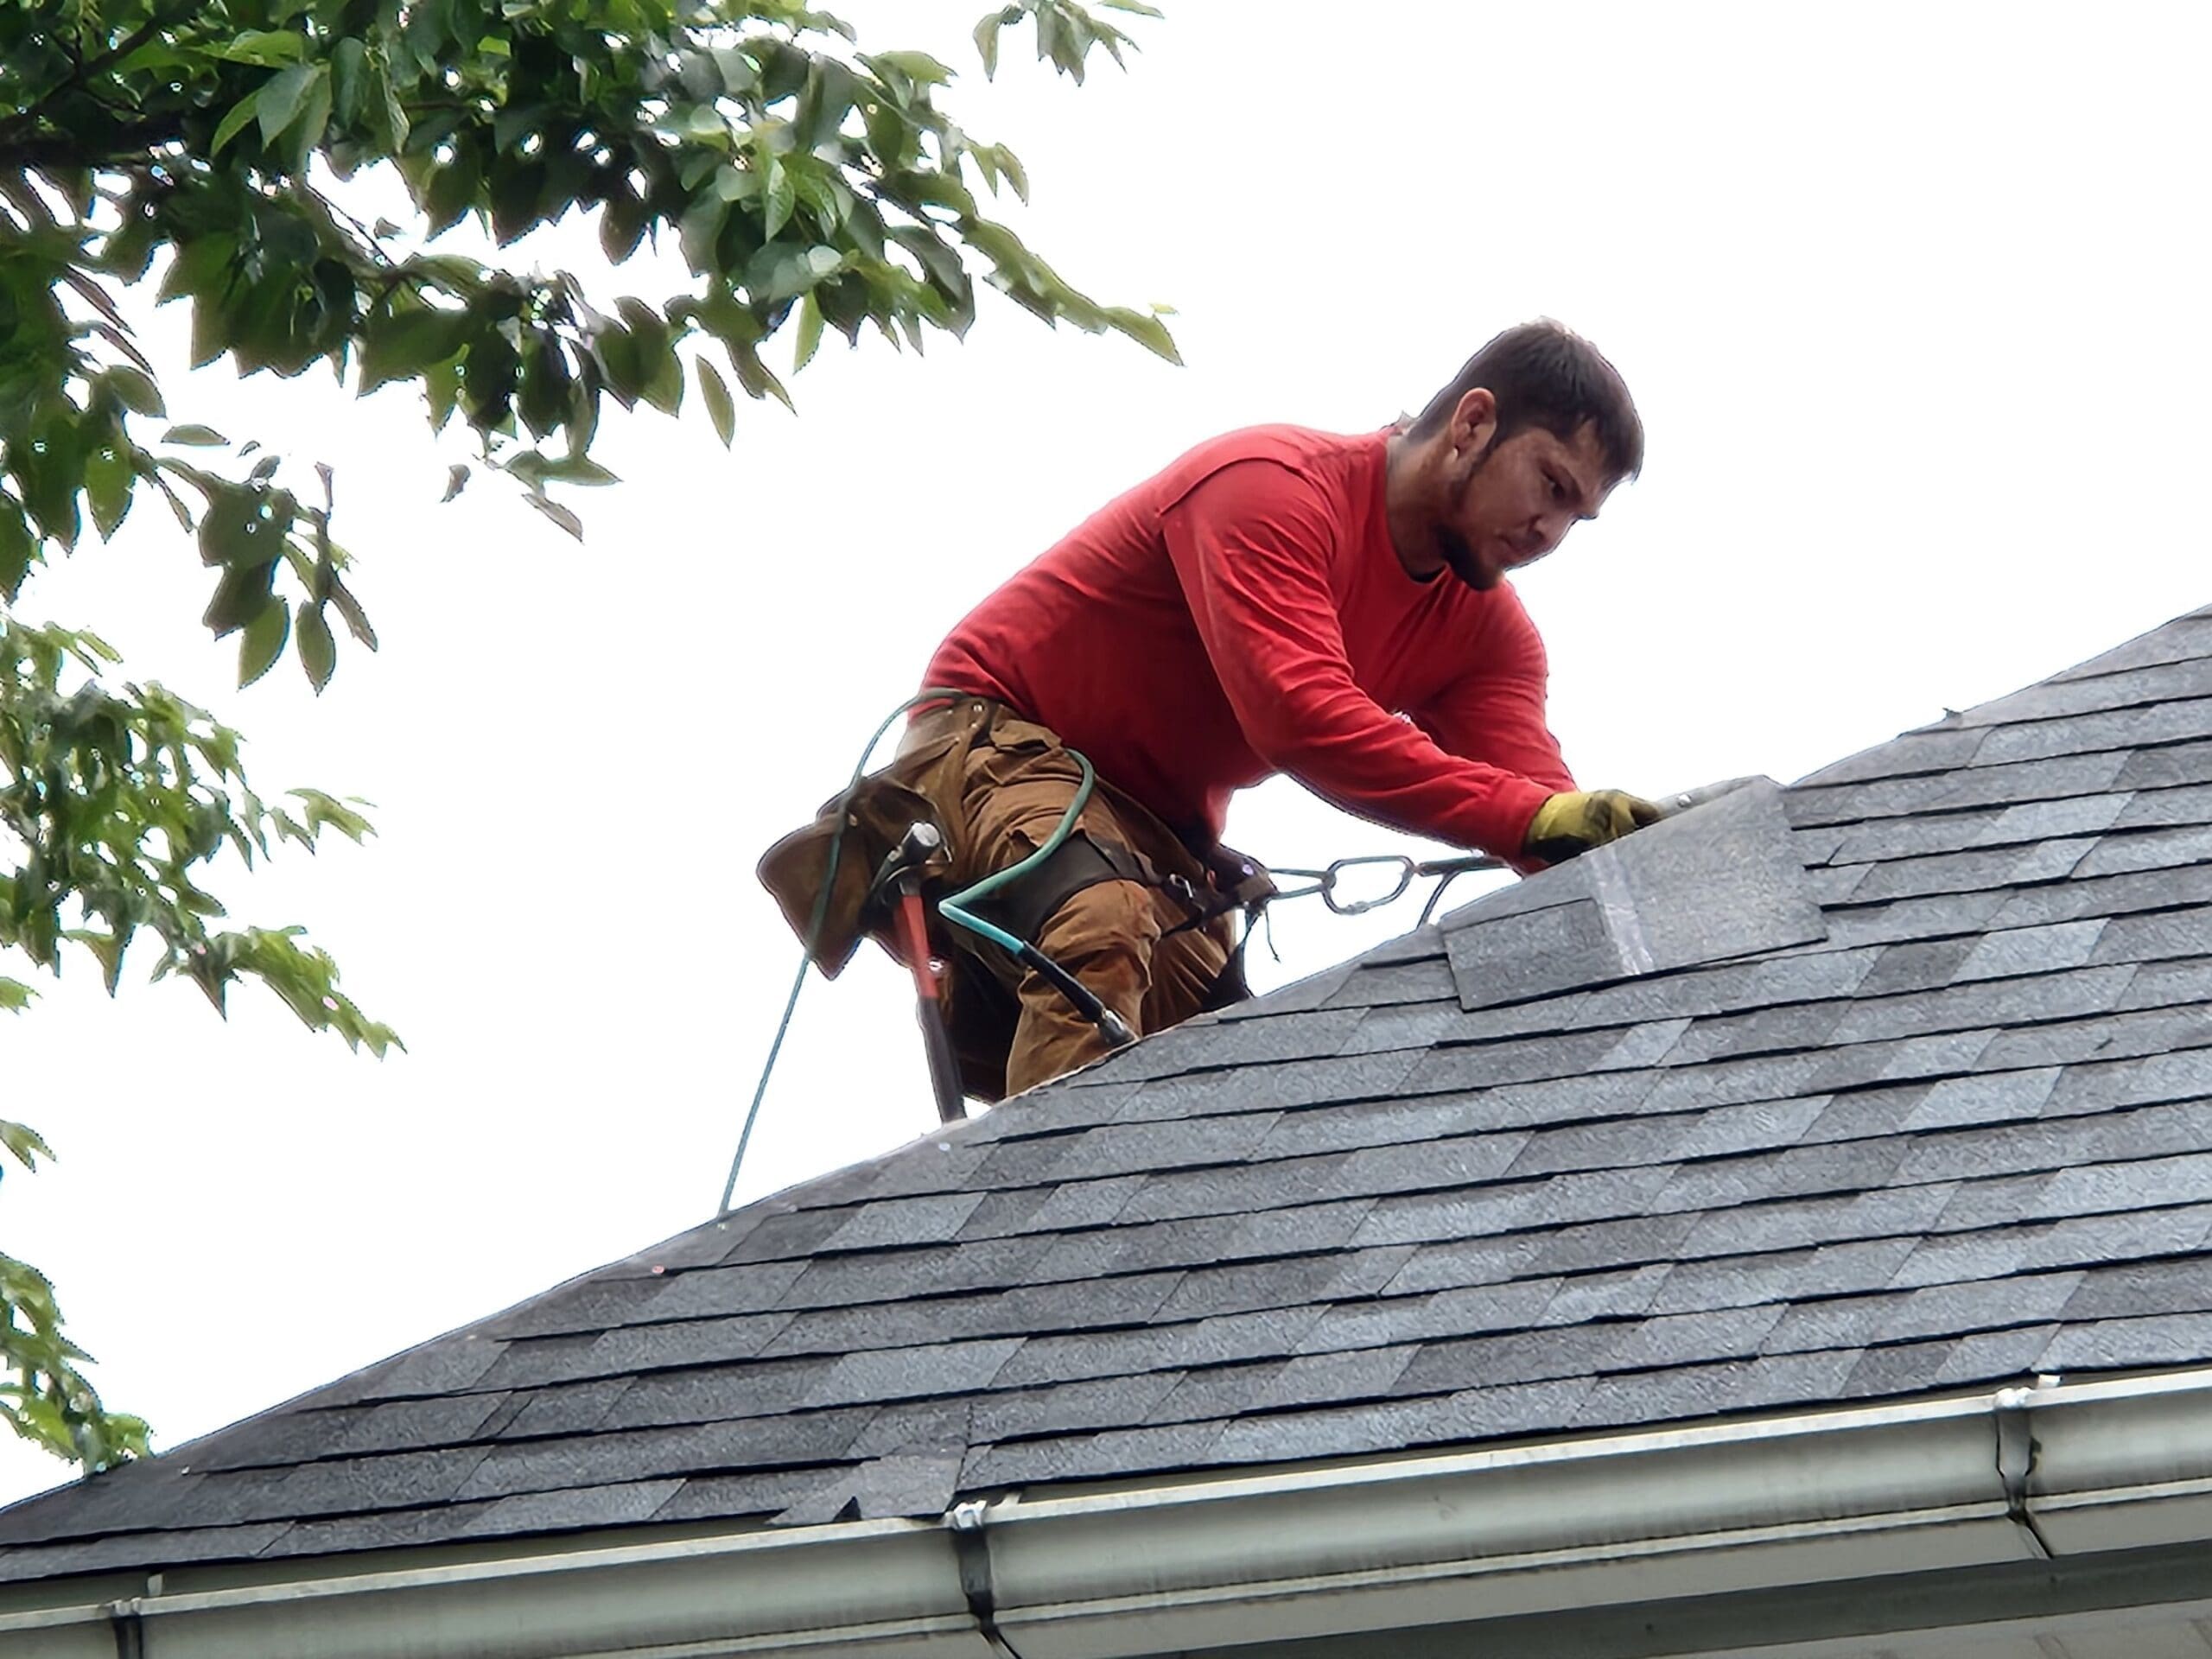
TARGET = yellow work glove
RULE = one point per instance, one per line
(1574, 823)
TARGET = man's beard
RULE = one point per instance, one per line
(1451, 547)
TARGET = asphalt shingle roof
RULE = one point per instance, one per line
(1947, 1124)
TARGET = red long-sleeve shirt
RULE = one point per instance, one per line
(1243, 612)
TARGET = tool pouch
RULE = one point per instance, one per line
(875, 814)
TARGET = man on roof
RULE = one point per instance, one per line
(1276, 600)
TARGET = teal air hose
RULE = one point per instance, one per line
(955, 909)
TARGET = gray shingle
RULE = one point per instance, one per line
(1341, 1128)
(573, 1408)
(2159, 723)
(1268, 1088)
(2118, 1345)
(1987, 1356)
(1374, 1426)
(2123, 853)
(2165, 768)
(1427, 980)
(176, 1548)
(1066, 1407)
(1660, 1397)
(1290, 1282)
(1237, 1190)
(2151, 808)
(718, 1393)
(593, 1506)
(456, 1361)
(1466, 1262)
(413, 1424)
(1629, 1241)
(1053, 1209)
(1936, 752)
(1220, 1392)
(1905, 1368)
(904, 1221)
(756, 1287)
(896, 1487)
(1528, 1356)
(402, 1480)
(606, 1457)
(2128, 1290)
(2177, 641)
(1202, 1046)
(704, 1497)
(836, 1331)
(1473, 1311)
(2162, 984)
(1118, 1148)
(387, 1529)
(1149, 1451)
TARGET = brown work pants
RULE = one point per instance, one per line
(1132, 945)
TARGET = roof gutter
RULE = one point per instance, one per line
(2017, 1475)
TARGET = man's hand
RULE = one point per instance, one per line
(1574, 823)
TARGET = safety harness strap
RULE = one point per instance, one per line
(1085, 861)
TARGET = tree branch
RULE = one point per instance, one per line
(32, 114)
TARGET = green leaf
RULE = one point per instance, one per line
(410, 342)
(918, 67)
(1136, 6)
(721, 408)
(1147, 330)
(809, 333)
(314, 120)
(14, 996)
(267, 47)
(559, 514)
(204, 437)
(26, 1143)
(280, 101)
(349, 61)
(534, 469)
(986, 43)
(357, 620)
(242, 594)
(109, 475)
(263, 643)
(781, 197)
(326, 811)
(318, 648)
(1010, 164)
(236, 122)
(754, 375)
(136, 390)
(17, 544)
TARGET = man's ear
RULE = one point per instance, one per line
(1474, 422)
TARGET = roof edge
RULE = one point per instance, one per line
(2018, 1474)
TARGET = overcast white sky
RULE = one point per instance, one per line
(1911, 298)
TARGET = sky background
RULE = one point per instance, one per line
(1911, 299)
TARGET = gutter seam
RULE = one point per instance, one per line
(2016, 1461)
(972, 1552)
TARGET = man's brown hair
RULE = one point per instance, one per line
(1545, 374)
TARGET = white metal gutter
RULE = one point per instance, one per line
(2064, 1469)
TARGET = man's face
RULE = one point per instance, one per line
(1506, 505)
